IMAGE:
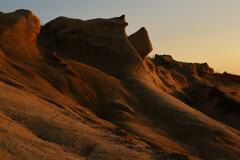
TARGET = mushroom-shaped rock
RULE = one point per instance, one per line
(141, 42)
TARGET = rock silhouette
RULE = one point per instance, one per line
(75, 89)
(141, 42)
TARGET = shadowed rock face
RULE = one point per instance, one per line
(101, 43)
(141, 42)
(214, 94)
(192, 70)
(90, 92)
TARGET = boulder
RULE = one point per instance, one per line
(141, 42)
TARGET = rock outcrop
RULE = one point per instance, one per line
(101, 43)
(141, 42)
(85, 90)
(216, 95)
(18, 34)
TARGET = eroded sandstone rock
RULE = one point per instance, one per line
(141, 42)
(18, 33)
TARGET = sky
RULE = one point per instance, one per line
(189, 30)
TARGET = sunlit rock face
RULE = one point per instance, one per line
(18, 34)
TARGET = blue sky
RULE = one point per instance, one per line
(189, 30)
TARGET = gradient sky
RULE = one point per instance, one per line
(189, 30)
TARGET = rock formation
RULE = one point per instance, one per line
(216, 95)
(141, 42)
(85, 90)
(18, 34)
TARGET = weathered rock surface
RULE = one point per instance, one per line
(85, 90)
(141, 42)
(18, 34)
(216, 95)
